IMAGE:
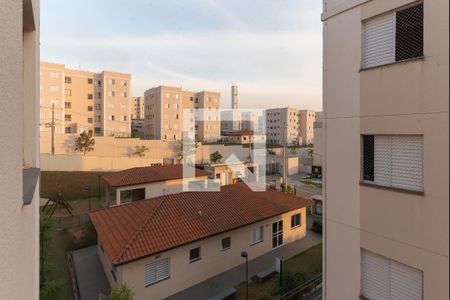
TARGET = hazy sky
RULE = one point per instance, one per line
(272, 49)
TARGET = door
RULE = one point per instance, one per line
(277, 234)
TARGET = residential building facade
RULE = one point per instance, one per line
(386, 222)
(306, 129)
(138, 109)
(19, 156)
(85, 101)
(191, 237)
(283, 126)
(164, 110)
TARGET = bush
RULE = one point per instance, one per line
(122, 292)
(291, 280)
(317, 226)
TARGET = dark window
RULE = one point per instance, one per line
(90, 120)
(194, 254)
(68, 79)
(67, 117)
(90, 96)
(295, 220)
(368, 157)
(68, 104)
(226, 243)
(67, 130)
(409, 33)
(90, 81)
(97, 130)
(89, 108)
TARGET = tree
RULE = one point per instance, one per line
(215, 157)
(140, 150)
(186, 148)
(84, 143)
(122, 292)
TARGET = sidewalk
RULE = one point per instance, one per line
(236, 275)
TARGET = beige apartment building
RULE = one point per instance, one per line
(306, 118)
(386, 134)
(19, 156)
(183, 239)
(164, 109)
(138, 108)
(85, 101)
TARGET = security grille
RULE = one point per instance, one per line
(393, 161)
(393, 37)
(386, 279)
(157, 271)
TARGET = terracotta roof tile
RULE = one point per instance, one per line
(145, 227)
(147, 175)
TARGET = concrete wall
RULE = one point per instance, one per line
(405, 98)
(19, 104)
(184, 274)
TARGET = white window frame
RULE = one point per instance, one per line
(257, 235)
(158, 276)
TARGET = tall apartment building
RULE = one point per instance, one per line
(85, 101)
(164, 108)
(307, 118)
(386, 101)
(138, 108)
(19, 155)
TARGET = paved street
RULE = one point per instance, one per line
(304, 190)
(234, 276)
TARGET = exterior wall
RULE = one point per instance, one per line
(214, 260)
(138, 108)
(292, 162)
(306, 127)
(209, 127)
(283, 124)
(318, 141)
(19, 97)
(82, 105)
(227, 175)
(403, 98)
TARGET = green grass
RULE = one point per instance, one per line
(308, 262)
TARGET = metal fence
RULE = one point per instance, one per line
(309, 290)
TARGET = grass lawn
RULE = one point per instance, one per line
(308, 262)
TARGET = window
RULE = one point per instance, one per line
(54, 74)
(124, 95)
(90, 108)
(98, 83)
(226, 242)
(277, 234)
(393, 161)
(67, 117)
(98, 106)
(157, 271)
(194, 254)
(99, 95)
(98, 118)
(112, 118)
(257, 235)
(68, 79)
(112, 81)
(394, 37)
(67, 104)
(67, 129)
(111, 94)
(90, 96)
(296, 220)
(68, 92)
(97, 129)
(90, 81)
(383, 278)
(90, 120)
(124, 83)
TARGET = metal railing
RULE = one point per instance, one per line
(310, 289)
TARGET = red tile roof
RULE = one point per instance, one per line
(147, 175)
(146, 227)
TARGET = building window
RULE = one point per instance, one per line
(124, 83)
(67, 129)
(90, 81)
(112, 81)
(111, 94)
(90, 96)
(67, 117)
(277, 234)
(226, 242)
(393, 161)
(68, 79)
(97, 130)
(89, 108)
(98, 118)
(157, 271)
(394, 37)
(67, 104)
(68, 92)
(54, 74)
(98, 83)
(112, 118)
(90, 120)
(257, 235)
(383, 278)
(99, 95)
(194, 254)
(296, 220)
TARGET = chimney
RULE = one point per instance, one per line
(234, 97)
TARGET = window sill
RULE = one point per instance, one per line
(194, 260)
(295, 227)
(420, 58)
(388, 188)
(256, 243)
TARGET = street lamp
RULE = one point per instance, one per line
(245, 255)
(88, 189)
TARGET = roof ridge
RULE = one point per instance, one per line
(133, 238)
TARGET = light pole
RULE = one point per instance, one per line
(245, 255)
(88, 189)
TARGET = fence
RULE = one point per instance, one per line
(309, 290)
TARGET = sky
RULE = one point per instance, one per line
(271, 49)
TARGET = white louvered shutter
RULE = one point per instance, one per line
(379, 41)
(163, 268)
(150, 276)
(374, 276)
(385, 279)
(382, 158)
(407, 162)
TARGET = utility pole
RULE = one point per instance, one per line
(52, 126)
(285, 130)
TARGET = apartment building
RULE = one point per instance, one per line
(138, 108)
(85, 101)
(283, 124)
(306, 118)
(183, 239)
(386, 134)
(318, 145)
(164, 110)
(19, 155)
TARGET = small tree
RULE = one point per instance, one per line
(186, 148)
(140, 150)
(215, 157)
(85, 142)
(122, 292)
